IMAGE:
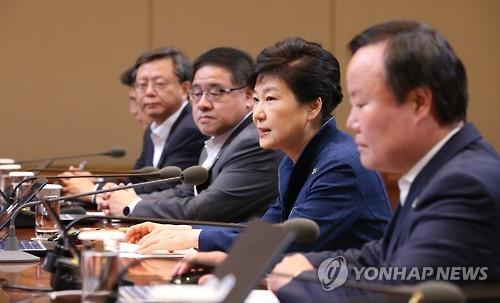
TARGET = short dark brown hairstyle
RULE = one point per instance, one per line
(417, 55)
(309, 70)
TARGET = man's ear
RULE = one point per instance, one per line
(421, 101)
(186, 86)
(249, 97)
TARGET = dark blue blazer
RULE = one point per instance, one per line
(328, 185)
(182, 147)
(451, 217)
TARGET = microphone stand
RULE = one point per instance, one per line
(115, 152)
(426, 291)
(155, 220)
(134, 176)
(12, 252)
(149, 174)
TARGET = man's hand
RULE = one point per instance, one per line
(152, 267)
(113, 203)
(152, 237)
(289, 267)
(136, 232)
(77, 185)
(213, 258)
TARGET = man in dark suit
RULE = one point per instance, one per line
(408, 94)
(242, 176)
(161, 80)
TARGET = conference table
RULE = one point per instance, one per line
(32, 276)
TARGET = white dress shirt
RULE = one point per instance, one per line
(159, 135)
(405, 182)
(213, 147)
(160, 132)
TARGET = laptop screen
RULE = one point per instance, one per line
(252, 256)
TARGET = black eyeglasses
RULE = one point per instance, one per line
(212, 94)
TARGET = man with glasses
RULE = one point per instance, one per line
(160, 80)
(127, 78)
(242, 176)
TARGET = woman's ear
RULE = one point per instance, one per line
(314, 108)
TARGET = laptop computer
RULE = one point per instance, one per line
(254, 254)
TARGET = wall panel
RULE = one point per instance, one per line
(471, 28)
(61, 60)
(59, 85)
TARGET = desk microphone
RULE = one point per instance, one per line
(423, 292)
(143, 172)
(437, 291)
(144, 169)
(146, 172)
(115, 152)
(303, 230)
(191, 175)
(137, 175)
(11, 252)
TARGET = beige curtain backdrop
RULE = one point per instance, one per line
(60, 60)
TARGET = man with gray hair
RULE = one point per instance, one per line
(162, 81)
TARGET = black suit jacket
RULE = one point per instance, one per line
(182, 148)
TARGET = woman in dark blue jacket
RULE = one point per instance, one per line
(297, 87)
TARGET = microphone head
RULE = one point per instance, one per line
(169, 172)
(146, 170)
(144, 173)
(438, 291)
(305, 230)
(116, 152)
(194, 175)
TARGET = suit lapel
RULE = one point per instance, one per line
(304, 166)
(231, 137)
(458, 142)
(166, 149)
(239, 129)
(149, 148)
(203, 156)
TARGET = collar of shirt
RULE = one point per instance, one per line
(160, 132)
(214, 145)
(405, 182)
